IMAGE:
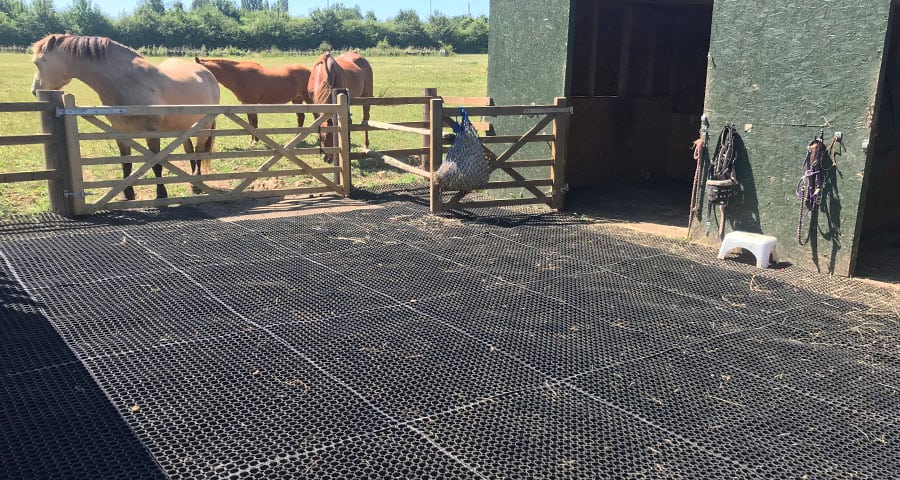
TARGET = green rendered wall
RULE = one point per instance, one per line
(528, 51)
(527, 64)
(779, 70)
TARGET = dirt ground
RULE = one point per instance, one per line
(663, 210)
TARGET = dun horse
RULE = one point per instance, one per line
(350, 71)
(254, 83)
(120, 76)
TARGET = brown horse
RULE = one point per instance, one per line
(254, 83)
(122, 77)
(350, 71)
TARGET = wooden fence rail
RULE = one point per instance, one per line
(52, 137)
(69, 187)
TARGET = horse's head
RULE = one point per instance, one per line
(321, 89)
(53, 65)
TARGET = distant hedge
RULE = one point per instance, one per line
(254, 25)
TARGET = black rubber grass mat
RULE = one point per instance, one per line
(773, 430)
(400, 360)
(116, 316)
(740, 292)
(27, 340)
(204, 409)
(406, 273)
(65, 259)
(861, 381)
(56, 423)
(506, 260)
(49, 224)
(409, 224)
(555, 432)
(394, 453)
(285, 290)
(849, 325)
(627, 303)
(314, 234)
(556, 339)
(579, 241)
(390, 343)
(208, 242)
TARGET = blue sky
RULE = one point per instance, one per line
(384, 9)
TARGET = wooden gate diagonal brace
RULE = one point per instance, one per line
(271, 161)
(286, 153)
(503, 157)
(155, 159)
(192, 179)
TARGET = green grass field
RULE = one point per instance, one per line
(457, 75)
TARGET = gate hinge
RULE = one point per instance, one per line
(564, 188)
(69, 194)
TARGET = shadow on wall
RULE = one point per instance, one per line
(829, 211)
(743, 209)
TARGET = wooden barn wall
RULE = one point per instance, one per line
(779, 70)
(527, 64)
(637, 85)
(882, 192)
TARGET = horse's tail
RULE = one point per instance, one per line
(206, 164)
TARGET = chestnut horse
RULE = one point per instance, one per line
(254, 83)
(120, 76)
(349, 70)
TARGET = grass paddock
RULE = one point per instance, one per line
(457, 75)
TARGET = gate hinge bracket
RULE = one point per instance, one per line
(69, 194)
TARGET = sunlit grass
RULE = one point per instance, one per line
(457, 75)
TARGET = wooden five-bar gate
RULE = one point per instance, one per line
(73, 192)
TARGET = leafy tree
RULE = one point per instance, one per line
(251, 25)
(439, 28)
(12, 8)
(408, 30)
(82, 18)
(8, 33)
(254, 5)
(38, 20)
(155, 6)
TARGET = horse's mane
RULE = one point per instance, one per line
(325, 88)
(94, 48)
(227, 60)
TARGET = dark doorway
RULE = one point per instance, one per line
(878, 254)
(638, 82)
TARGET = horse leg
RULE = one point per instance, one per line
(195, 164)
(254, 120)
(125, 150)
(205, 144)
(153, 145)
(300, 115)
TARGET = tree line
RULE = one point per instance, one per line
(252, 25)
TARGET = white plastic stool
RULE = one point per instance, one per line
(761, 246)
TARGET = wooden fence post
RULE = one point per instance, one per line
(435, 147)
(426, 117)
(76, 193)
(56, 154)
(558, 154)
(343, 123)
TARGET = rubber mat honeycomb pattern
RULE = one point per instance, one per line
(390, 343)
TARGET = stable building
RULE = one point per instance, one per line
(641, 73)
